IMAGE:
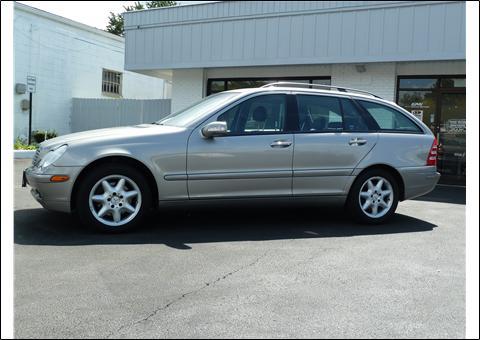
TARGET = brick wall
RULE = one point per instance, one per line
(378, 78)
(187, 87)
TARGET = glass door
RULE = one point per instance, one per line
(439, 101)
(451, 138)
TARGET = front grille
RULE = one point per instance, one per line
(36, 158)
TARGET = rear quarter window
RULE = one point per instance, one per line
(389, 119)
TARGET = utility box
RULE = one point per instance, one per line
(25, 104)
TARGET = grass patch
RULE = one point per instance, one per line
(21, 144)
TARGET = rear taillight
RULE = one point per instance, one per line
(432, 155)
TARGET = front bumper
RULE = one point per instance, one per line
(419, 180)
(52, 196)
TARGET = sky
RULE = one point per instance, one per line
(92, 13)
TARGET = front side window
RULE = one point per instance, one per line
(111, 83)
(319, 113)
(261, 114)
(388, 118)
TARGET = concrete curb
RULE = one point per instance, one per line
(23, 154)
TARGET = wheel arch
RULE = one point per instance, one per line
(121, 159)
(398, 177)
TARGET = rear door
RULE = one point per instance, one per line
(333, 137)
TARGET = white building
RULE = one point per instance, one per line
(411, 52)
(68, 59)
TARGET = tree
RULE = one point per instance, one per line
(115, 21)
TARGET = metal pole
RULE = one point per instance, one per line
(30, 121)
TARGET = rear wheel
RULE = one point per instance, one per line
(113, 198)
(373, 197)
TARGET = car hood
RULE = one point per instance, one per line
(100, 135)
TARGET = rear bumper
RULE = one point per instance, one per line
(419, 180)
(52, 196)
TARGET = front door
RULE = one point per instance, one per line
(253, 160)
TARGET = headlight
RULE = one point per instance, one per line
(52, 156)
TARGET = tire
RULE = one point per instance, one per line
(363, 194)
(114, 206)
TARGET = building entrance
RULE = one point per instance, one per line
(440, 103)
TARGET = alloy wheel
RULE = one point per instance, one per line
(376, 197)
(115, 200)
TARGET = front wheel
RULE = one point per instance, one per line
(373, 197)
(113, 198)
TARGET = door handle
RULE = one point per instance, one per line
(281, 144)
(356, 141)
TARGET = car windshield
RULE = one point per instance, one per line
(198, 110)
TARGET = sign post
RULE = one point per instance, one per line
(31, 87)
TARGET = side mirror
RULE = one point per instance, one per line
(214, 129)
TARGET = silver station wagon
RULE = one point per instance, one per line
(284, 140)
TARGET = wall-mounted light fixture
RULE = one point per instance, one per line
(360, 68)
(20, 88)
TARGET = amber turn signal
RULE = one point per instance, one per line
(59, 178)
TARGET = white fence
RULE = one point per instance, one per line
(88, 114)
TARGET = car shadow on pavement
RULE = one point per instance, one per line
(179, 228)
(445, 194)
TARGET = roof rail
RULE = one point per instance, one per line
(338, 88)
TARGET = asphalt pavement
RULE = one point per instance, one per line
(248, 272)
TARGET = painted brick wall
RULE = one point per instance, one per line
(378, 78)
(67, 61)
(187, 87)
(270, 71)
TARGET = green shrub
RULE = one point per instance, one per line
(21, 144)
(41, 135)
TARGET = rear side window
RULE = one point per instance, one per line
(319, 113)
(352, 117)
(389, 119)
